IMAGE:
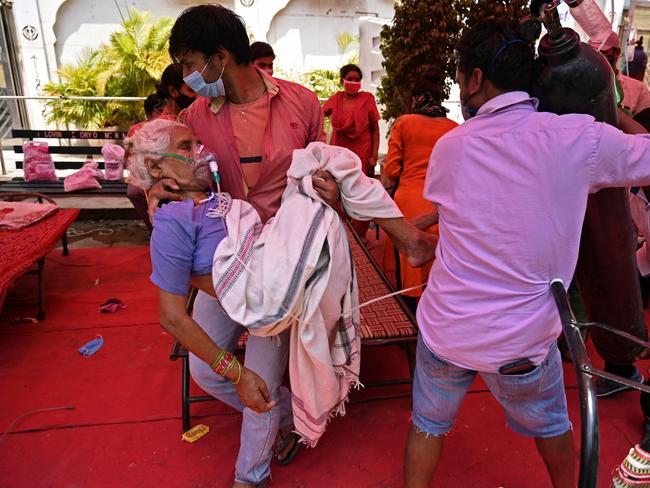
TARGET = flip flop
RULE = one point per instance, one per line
(282, 443)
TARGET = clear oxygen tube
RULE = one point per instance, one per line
(223, 199)
(591, 19)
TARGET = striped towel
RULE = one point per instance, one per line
(297, 271)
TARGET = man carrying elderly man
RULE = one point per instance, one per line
(252, 123)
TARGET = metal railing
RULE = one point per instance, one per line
(585, 373)
(6, 121)
(65, 97)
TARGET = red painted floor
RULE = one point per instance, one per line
(124, 430)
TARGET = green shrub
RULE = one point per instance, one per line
(130, 65)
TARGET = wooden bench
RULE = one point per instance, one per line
(21, 249)
(388, 322)
(56, 187)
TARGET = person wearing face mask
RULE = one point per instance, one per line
(412, 137)
(635, 96)
(355, 118)
(355, 124)
(252, 123)
(174, 91)
(262, 56)
(511, 187)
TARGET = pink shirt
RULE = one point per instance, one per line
(636, 97)
(511, 187)
(295, 119)
(248, 125)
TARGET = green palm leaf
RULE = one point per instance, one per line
(130, 64)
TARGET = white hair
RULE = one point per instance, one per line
(148, 143)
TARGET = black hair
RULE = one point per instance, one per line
(152, 103)
(208, 28)
(172, 76)
(536, 7)
(431, 82)
(261, 50)
(348, 68)
(495, 47)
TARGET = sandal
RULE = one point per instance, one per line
(283, 442)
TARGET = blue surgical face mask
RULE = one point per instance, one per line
(197, 83)
(91, 347)
(466, 110)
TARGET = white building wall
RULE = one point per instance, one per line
(81, 23)
(303, 32)
(33, 19)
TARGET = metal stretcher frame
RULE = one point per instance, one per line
(585, 372)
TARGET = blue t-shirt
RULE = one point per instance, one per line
(183, 242)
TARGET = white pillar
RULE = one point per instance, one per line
(34, 21)
(370, 57)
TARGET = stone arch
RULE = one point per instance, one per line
(82, 23)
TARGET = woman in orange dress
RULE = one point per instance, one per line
(355, 124)
(412, 139)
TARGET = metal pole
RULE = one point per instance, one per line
(2, 159)
(63, 97)
(588, 402)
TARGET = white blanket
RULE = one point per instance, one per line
(297, 270)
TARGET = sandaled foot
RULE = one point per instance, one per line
(287, 448)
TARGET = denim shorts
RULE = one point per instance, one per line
(534, 403)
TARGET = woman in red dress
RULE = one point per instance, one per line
(355, 123)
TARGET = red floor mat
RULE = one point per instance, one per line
(125, 429)
(363, 449)
(77, 284)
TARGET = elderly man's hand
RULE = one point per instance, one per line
(161, 191)
(425, 221)
(253, 392)
(326, 187)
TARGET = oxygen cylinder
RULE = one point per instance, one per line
(575, 78)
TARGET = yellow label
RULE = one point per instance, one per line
(195, 433)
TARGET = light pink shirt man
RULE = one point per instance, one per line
(511, 187)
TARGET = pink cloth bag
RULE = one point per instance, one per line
(113, 162)
(38, 164)
(84, 179)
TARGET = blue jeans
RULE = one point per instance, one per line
(534, 403)
(266, 356)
